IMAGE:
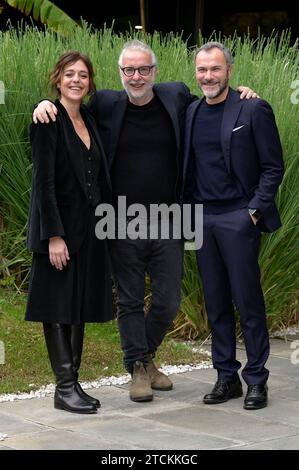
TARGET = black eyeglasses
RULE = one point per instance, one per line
(144, 70)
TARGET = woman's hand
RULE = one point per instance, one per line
(58, 252)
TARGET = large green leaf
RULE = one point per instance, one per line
(46, 12)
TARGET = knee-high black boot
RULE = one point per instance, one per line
(77, 336)
(58, 341)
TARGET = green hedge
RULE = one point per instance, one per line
(268, 65)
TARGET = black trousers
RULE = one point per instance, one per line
(228, 263)
(131, 260)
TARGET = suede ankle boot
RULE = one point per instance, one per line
(140, 389)
(159, 381)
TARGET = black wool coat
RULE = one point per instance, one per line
(59, 202)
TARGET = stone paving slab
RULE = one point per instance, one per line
(281, 382)
(282, 348)
(175, 420)
(283, 443)
(12, 425)
(282, 366)
(45, 416)
(148, 435)
(222, 422)
(290, 393)
(207, 376)
(252, 447)
(63, 439)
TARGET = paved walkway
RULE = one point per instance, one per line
(174, 420)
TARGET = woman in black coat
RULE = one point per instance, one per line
(70, 281)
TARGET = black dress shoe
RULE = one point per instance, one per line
(256, 397)
(224, 391)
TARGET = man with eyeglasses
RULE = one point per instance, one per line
(141, 130)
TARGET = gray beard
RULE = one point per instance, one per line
(216, 93)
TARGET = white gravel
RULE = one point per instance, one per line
(292, 330)
(48, 390)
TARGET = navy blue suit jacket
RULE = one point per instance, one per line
(252, 154)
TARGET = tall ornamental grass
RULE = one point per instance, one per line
(268, 65)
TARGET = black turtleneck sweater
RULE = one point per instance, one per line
(145, 168)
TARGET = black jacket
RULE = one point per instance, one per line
(109, 107)
(59, 203)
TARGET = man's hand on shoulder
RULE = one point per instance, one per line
(43, 111)
(247, 93)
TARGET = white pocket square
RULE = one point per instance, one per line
(237, 128)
